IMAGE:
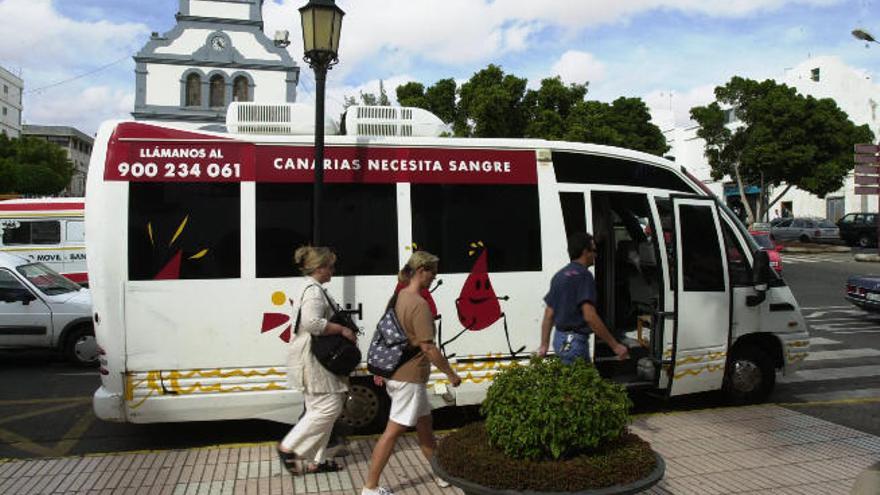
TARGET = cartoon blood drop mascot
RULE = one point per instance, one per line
(477, 305)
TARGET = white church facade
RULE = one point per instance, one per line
(821, 77)
(217, 53)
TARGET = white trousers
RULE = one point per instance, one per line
(309, 437)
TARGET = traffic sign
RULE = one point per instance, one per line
(866, 158)
(867, 148)
(867, 180)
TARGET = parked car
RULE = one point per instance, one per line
(864, 291)
(41, 308)
(859, 229)
(805, 230)
(762, 237)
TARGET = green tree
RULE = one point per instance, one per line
(784, 138)
(33, 166)
(438, 99)
(550, 108)
(560, 112)
(412, 94)
(491, 105)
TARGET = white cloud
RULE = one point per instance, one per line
(579, 67)
(84, 110)
(35, 35)
(393, 34)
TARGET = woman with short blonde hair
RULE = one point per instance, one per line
(407, 386)
(323, 391)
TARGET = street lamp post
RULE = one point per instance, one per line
(321, 24)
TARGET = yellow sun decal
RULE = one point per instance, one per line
(279, 298)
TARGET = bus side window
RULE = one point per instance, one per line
(667, 224)
(75, 231)
(37, 232)
(184, 231)
(573, 212)
(737, 263)
(359, 222)
(447, 219)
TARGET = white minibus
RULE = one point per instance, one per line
(47, 230)
(191, 234)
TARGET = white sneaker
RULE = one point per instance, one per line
(441, 482)
(378, 491)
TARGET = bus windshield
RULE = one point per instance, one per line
(47, 280)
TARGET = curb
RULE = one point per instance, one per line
(816, 250)
(868, 258)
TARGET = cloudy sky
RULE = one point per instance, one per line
(75, 55)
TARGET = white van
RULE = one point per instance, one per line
(191, 236)
(47, 230)
(41, 309)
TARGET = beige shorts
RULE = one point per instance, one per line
(409, 402)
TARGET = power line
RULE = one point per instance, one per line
(74, 78)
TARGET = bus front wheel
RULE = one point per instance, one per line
(750, 376)
(366, 409)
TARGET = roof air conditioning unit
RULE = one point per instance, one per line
(392, 121)
(274, 119)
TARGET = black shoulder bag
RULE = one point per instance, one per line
(336, 353)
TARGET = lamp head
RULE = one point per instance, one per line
(863, 35)
(321, 25)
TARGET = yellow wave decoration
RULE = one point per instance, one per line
(711, 368)
(158, 383)
(795, 357)
(150, 233)
(708, 357)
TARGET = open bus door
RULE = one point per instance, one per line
(702, 298)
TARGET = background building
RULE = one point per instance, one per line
(11, 87)
(217, 53)
(821, 77)
(79, 150)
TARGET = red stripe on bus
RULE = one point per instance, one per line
(41, 206)
(77, 277)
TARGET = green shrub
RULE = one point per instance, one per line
(549, 410)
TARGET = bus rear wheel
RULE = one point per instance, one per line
(750, 376)
(366, 409)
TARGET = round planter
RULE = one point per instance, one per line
(471, 488)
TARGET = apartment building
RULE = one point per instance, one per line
(78, 146)
(11, 88)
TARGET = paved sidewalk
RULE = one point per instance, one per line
(756, 449)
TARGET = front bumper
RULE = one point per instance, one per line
(864, 303)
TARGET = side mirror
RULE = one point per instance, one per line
(26, 297)
(761, 277)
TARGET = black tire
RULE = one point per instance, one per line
(804, 238)
(80, 347)
(750, 376)
(863, 241)
(366, 409)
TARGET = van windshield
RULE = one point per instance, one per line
(47, 280)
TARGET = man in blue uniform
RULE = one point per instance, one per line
(571, 306)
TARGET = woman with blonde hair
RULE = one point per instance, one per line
(407, 386)
(324, 392)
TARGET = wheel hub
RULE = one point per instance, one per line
(86, 349)
(746, 376)
(361, 407)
